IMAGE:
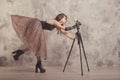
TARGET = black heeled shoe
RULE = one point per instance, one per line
(40, 67)
(17, 53)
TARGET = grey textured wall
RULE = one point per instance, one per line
(100, 31)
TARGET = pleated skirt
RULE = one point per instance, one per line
(30, 31)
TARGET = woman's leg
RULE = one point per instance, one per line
(39, 65)
(18, 53)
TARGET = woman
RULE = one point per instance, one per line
(30, 31)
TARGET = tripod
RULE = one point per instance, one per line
(80, 43)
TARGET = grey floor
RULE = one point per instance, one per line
(55, 73)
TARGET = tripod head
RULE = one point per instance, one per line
(78, 34)
(77, 25)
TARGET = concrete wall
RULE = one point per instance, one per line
(100, 31)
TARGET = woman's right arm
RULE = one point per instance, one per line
(68, 34)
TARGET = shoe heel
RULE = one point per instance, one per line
(36, 69)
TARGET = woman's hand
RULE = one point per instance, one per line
(73, 38)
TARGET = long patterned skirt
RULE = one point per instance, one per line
(30, 31)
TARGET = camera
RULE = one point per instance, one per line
(77, 24)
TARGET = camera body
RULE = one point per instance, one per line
(77, 24)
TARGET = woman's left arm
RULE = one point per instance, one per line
(68, 34)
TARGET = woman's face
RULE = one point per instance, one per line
(63, 20)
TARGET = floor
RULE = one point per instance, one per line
(55, 73)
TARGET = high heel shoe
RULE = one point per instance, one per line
(17, 53)
(40, 67)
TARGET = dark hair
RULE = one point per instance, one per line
(60, 16)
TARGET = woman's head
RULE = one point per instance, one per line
(61, 18)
